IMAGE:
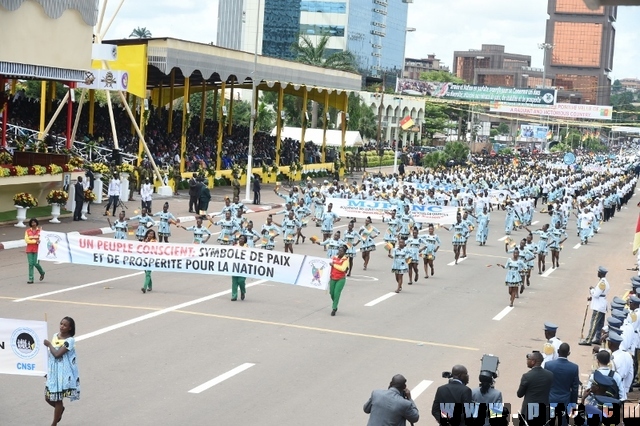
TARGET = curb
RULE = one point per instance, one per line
(14, 244)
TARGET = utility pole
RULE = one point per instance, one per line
(380, 109)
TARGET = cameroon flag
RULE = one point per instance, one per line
(636, 238)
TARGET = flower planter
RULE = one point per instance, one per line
(55, 212)
(21, 216)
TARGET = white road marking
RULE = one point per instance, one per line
(503, 313)
(37, 296)
(221, 378)
(503, 238)
(158, 313)
(548, 272)
(362, 278)
(14, 244)
(462, 259)
(535, 223)
(421, 387)
(577, 246)
(381, 299)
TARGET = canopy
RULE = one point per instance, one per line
(334, 137)
(623, 129)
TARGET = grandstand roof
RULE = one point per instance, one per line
(213, 64)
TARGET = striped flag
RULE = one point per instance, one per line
(406, 123)
(636, 238)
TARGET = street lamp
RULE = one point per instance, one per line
(404, 51)
(545, 48)
(252, 120)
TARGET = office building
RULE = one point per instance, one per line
(492, 66)
(581, 44)
(374, 30)
(414, 67)
(630, 84)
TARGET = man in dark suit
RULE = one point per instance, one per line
(535, 386)
(454, 392)
(78, 198)
(392, 406)
(194, 193)
(566, 380)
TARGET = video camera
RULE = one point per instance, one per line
(488, 367)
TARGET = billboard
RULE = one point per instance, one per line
(533, 131)
(592, 112)
(468, 92)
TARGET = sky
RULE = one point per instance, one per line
(442, 26)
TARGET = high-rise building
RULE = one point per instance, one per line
(582, 42)
(492, 66)
(373, 30)
(414, 67)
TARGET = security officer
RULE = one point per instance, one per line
(634, 320)
(550, 349)
(598, 300)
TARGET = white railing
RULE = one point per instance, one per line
(97, 154)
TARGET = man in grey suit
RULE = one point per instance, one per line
(535, 386)
(393, 406)
(566, 380)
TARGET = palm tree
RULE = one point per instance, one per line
(308, 53)
(140, 32)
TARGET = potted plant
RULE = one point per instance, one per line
(56, 198)
(5, 158)
(23, 201)
(99, 169)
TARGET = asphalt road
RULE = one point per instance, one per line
(288, 361)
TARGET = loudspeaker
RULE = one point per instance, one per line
(116, 158)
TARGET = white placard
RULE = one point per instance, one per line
(22, 349)
(380, 209)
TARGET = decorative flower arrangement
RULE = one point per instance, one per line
(18, 171)
(211, 171)
(275, 169)
(76, 162)
(100, 168)
(237, 171)
(24, 199)
(126, 168)
(57, 196)
(89, 196)
(68, 167)
(54, 169)
(5, 158)
(4, 172)
(37, 170)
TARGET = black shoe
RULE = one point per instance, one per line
(42, 276)
(29, 282)
(234, 299)
(584, 343)
(143, 290)
(242, 296)
(333, 312)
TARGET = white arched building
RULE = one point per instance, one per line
(394, 108)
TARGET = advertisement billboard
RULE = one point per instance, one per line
(468, 92)
(533, 131)
(592, 112)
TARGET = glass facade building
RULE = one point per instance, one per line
(583, 45)
(373, 30)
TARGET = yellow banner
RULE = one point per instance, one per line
(132, 59)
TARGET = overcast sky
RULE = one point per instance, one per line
(442, 26)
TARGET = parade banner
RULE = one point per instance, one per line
(22, 349)
(468, 92)
(287, 268)
(381, 209)
(592, 112)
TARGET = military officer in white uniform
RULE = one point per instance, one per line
(598, 299)
(622, 361)
(550, 348)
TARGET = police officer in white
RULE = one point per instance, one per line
(622, 361)
(146, 193)
(598, 300)
(550, 349)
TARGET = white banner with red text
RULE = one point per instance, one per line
(381, 209)
(22, 349)
(287, 268)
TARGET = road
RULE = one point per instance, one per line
(186, 355)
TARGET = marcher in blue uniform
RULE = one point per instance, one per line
(459, 230)
(513, 280)
(367, 232)
(120, 226)
(399, 267)
(351, 239)
(544, 235)
(558, 236)
(144, 222)
(482, 233)
(428, 252)
(413, 253)
(166, 219)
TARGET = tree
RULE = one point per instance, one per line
(441, 77)
(140, 32)
(503, 129)
(616, 87)
(308, 53)
(265, 118)
(457, 151)
(436, 120)
(361, 117)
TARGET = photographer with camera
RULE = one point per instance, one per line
(393, 406)
(455, 392)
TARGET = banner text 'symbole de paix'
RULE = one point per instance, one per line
(276, 266)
